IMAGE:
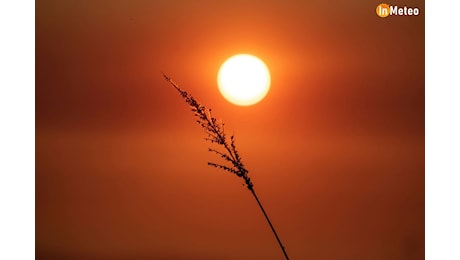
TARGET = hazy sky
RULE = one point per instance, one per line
(335, 150)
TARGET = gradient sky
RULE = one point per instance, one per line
(335, 150)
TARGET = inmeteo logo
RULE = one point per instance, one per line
(384, 10)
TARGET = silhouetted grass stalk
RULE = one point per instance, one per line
(215, 134)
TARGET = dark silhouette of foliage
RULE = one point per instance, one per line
(215, 134)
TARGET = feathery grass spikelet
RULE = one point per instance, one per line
(216, 134)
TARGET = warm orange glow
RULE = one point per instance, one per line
(244, 80)
(335, 149)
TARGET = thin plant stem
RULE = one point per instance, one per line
(269, 223)
(216, 135)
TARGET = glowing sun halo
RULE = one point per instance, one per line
(243, 80)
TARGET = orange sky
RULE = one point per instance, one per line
(335, 150)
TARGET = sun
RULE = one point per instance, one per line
(244, 79)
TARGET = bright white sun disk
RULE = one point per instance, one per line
(244, 79)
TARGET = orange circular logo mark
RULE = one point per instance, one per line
(383, 10)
